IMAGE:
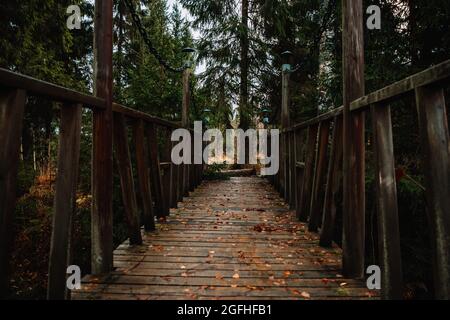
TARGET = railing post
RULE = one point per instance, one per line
(123, 160)
(64, 201)
(354, 144)
(12, 104)
(436, 146)
(102, 153)
(308, 172)
(316, 209)
(185, 124)
(386, 201)
(334, 183)
(143, 175)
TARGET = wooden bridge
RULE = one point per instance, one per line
(241, 238)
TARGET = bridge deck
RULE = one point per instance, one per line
(233, 239)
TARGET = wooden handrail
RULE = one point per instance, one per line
(436, 74)
(304, 155)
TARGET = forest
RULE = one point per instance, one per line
(236, 80)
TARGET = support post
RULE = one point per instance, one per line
(386, 201)
(102, 153)
(64, 201)
(12, 105)
(123, 160)
(354, 144)
(436, 146)
(185, 124)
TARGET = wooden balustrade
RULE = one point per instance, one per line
(159, 184)
(318, 166)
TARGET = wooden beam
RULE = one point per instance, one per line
(436, 74)
(143, 175)
(333, 187)
(299, 170)
(12, 105)
(64, 201)
(48, 90)
(125, 168)
(102, 153)
(315, 214)
(433, 124)
(386, 201)
(354, 144)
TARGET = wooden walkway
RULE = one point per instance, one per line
(233, 239)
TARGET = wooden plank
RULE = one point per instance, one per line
(45, 89)
(309, 172)
(162, 209)
(316, 210)
(436, 147)
(124, 166)
(143, 175)
(354, 144)
(228, 263)
(299, 171)
(102, 150)
(386, 200)
(333, 186)
(12, 105)
(64, 201)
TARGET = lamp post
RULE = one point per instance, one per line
(286, 70)
(186, 73)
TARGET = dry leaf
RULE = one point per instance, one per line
(236, 276)
(305, 295)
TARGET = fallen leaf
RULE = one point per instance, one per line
(305, 295)
(219, 276)
(236, 276)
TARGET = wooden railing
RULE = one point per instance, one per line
(310, 179)
(159, 180)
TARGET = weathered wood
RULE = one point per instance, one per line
(386, 200)
(287, 177)
(315, 214)
(437, 73)
(245, 260)
(45, 89)
(102, 145)
(292, 173)
(308, 173)
(168, 171)
(125, 168)
(136, 114)
(12, 104)
(353, 157)
(299, 171)
(162, 209)
(436, 146)
(323, 117)
(143, 175)
(64, 201)
(333, 187)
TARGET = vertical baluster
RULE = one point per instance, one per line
(436, 146)
(309, 172)
(123, 160)
(315, 215)
(12, 104)
(143, 175)
(333, 187)
(386, 200)
(64, 200)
